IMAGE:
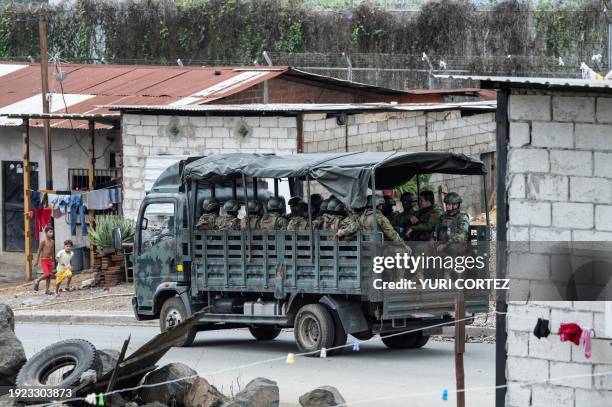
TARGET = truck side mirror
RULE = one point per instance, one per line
(116, 239)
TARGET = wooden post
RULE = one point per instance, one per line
(27, 221)
(460, 346)
(91, 173)
(44, 78)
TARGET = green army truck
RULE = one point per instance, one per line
(268, 280)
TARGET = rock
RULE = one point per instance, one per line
(260, 392)
(154, 404)
(130, 404)
(323, 396)
(12, 358)
(114, 400)
(204, 394)
(108, 360)
(7, 318)
(6, 401)
(174, 392)
(89, 376)
(88, 283)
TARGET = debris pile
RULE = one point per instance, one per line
(109, 270)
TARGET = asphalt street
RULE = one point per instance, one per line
(374, 376)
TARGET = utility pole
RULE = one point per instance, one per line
(44, 76)
(460, 347)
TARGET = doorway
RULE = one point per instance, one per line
(13, 236)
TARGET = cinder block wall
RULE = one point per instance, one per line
(146, 137)
(559, 188)
(409, 131)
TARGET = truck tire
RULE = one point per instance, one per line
(421, 340)
(264, 332)
(172, 313)
(59, 365)
(313, 329)
(404, 341)
(340, 336)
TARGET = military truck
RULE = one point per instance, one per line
(268, 280)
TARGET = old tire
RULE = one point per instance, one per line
(59, 365)
(172, 313)
(313, 329)
(264, 332)
(404, 341)
(421, 340)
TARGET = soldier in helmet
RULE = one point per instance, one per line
(207, 221)
(425, 222)
(349, 225)
(401, 221)
(315, 204)
(299, 221)
(230, 220)
(366, 219)
(254, 211)
(454, 224)
(294, 205)
(319, 220)
(335, 212)
(274, 219)
(388, 208)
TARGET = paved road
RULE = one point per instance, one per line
(374, 372)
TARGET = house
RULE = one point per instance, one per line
(554, 192)
(156, 136)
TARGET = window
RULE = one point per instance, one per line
(157, 225)
(78, 178)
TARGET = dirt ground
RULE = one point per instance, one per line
(96, 299)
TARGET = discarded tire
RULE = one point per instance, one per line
(59, 365)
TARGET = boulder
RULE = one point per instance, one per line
(154, 404)
(108, 360)
(260, 392)
(204, 394)
(12, 358)
(168, 393)
(323, 396)
(6, 401)
(7, 318)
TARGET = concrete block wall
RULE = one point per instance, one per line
(409, 131)
(146, 137)
(559, 188)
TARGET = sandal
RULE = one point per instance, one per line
(35, 286)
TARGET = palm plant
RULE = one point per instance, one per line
(102, 234)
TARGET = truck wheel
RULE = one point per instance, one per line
(340, 336)
(421, 340)
(404, 341)
(172, 313)
(59, 365)
(313, 329)
(264, 333)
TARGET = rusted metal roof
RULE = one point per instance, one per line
(498, 82)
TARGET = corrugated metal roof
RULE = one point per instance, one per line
(521, 81)
(307, 107)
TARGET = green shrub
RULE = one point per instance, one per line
(102, 234)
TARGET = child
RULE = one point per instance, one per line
(45, 258)
(64, 269)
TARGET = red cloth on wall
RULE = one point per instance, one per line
(570, 332)
(42, 217)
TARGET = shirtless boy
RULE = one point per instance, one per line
(45, 258)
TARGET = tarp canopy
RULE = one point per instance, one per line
(347, 175)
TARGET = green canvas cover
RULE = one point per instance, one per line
(346, 175)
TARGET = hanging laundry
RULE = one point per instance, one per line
(585, 338)
(114, 195)
(60, 202)
(542, 329)
(37, 199)
(42, 217)
(98, 200)
(570, 332)
(77, 213)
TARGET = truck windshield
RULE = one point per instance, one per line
(157, 225)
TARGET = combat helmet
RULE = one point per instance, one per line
(295, 201)
(231, 206)
(378, 199)
(335, 206)
(275, 204)
(210, 205)
(254, 207)
(452, 198)
(408, 196)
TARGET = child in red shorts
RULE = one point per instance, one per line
(45, 258)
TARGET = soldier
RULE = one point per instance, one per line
(319, 220)
(274, 220)
(349, 225)
(401, 221)
(294, 204)
(335, 212)
(315, 203)
(454, 224)
(254, 210)
(388, 208)
(366, 220)
(425, 222)
(210, 214)
(230, 220)
(299, 221)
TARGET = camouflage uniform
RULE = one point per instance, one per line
(429, 219)
(230, 220)
(254, 216)
(349, 226)
(298, 223)
(211, 213)
(401, 220)
(454, 224)
(273, 220)
(366, 220)
(319, 221)
(335, 212)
